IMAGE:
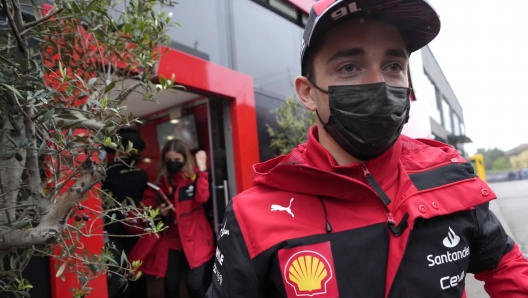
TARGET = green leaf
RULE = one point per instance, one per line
(92, 81)
(95, 102)
(67, 116)
(47, 116)
(61, 269)
(52, 24)
(74, 124)
(11, 139)
(15, 91)
(75, 7)
(93, 269)
(123, 258)
(15, 125)
(62, 70)
(42, 148)
(7, 155)
(110, 87)
(23, 143)
(36, 10)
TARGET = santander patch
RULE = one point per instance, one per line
(309, 271)
(448, 257)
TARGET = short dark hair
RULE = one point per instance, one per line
(135, 139)
(308, 66)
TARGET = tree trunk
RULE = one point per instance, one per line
(52, 223)
(10, 172)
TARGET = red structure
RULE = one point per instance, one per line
(207, 79)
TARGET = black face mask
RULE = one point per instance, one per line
(366, 120)
(174, 166)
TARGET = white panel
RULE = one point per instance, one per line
(167, 99)
(419, 125)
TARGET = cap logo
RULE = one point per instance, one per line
(308, 271)
(343, 11)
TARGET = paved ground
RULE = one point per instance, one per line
(511, 208)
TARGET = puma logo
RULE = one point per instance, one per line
(276, 207)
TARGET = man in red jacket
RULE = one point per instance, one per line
(360, 210)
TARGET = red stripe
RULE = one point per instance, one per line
(303, 5)
(510, 278)
(322, 6)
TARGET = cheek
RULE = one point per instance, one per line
(395, 80)
(323, 107)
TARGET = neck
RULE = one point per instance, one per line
(340, 155)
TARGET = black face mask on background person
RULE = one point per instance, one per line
(174, 166)
(366, 120)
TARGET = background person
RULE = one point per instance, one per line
(187, 245)
(124, 180)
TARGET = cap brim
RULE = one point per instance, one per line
(417, 20)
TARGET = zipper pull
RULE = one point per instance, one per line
(399, 229)
(366, 171)
(375, 186)
(390, 218)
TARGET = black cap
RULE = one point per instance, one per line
(417, 20)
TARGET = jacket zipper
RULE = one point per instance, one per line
(369, 177)
(396, 230)
(452, 160)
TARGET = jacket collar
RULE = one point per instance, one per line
(384, 167)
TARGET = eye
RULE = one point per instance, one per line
(349, 68)
(395, 67)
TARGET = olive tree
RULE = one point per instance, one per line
(293, 123)
(65, 70)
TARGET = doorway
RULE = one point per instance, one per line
(200, 121)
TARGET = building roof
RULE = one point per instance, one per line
(517, 150)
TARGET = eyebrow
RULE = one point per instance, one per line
(351, 52)
(347, 53)
(396, 53)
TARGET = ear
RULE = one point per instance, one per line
(305, 92)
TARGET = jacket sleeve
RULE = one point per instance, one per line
(496, 259)
(202, 187)
(149, 198)
(233, 272)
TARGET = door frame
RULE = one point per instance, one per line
(205, 77)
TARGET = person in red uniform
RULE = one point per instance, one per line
(187, 245)
(361, 210)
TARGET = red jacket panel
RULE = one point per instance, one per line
(191, 232)
(312, 227)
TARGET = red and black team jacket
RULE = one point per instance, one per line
(190, 232)
(410, 223)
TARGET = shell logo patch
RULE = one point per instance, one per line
(309, 271)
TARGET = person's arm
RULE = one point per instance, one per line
(496, 259)
(233, 272)
(202, 183)
(202, 187)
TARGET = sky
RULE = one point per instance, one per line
(482, 49)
